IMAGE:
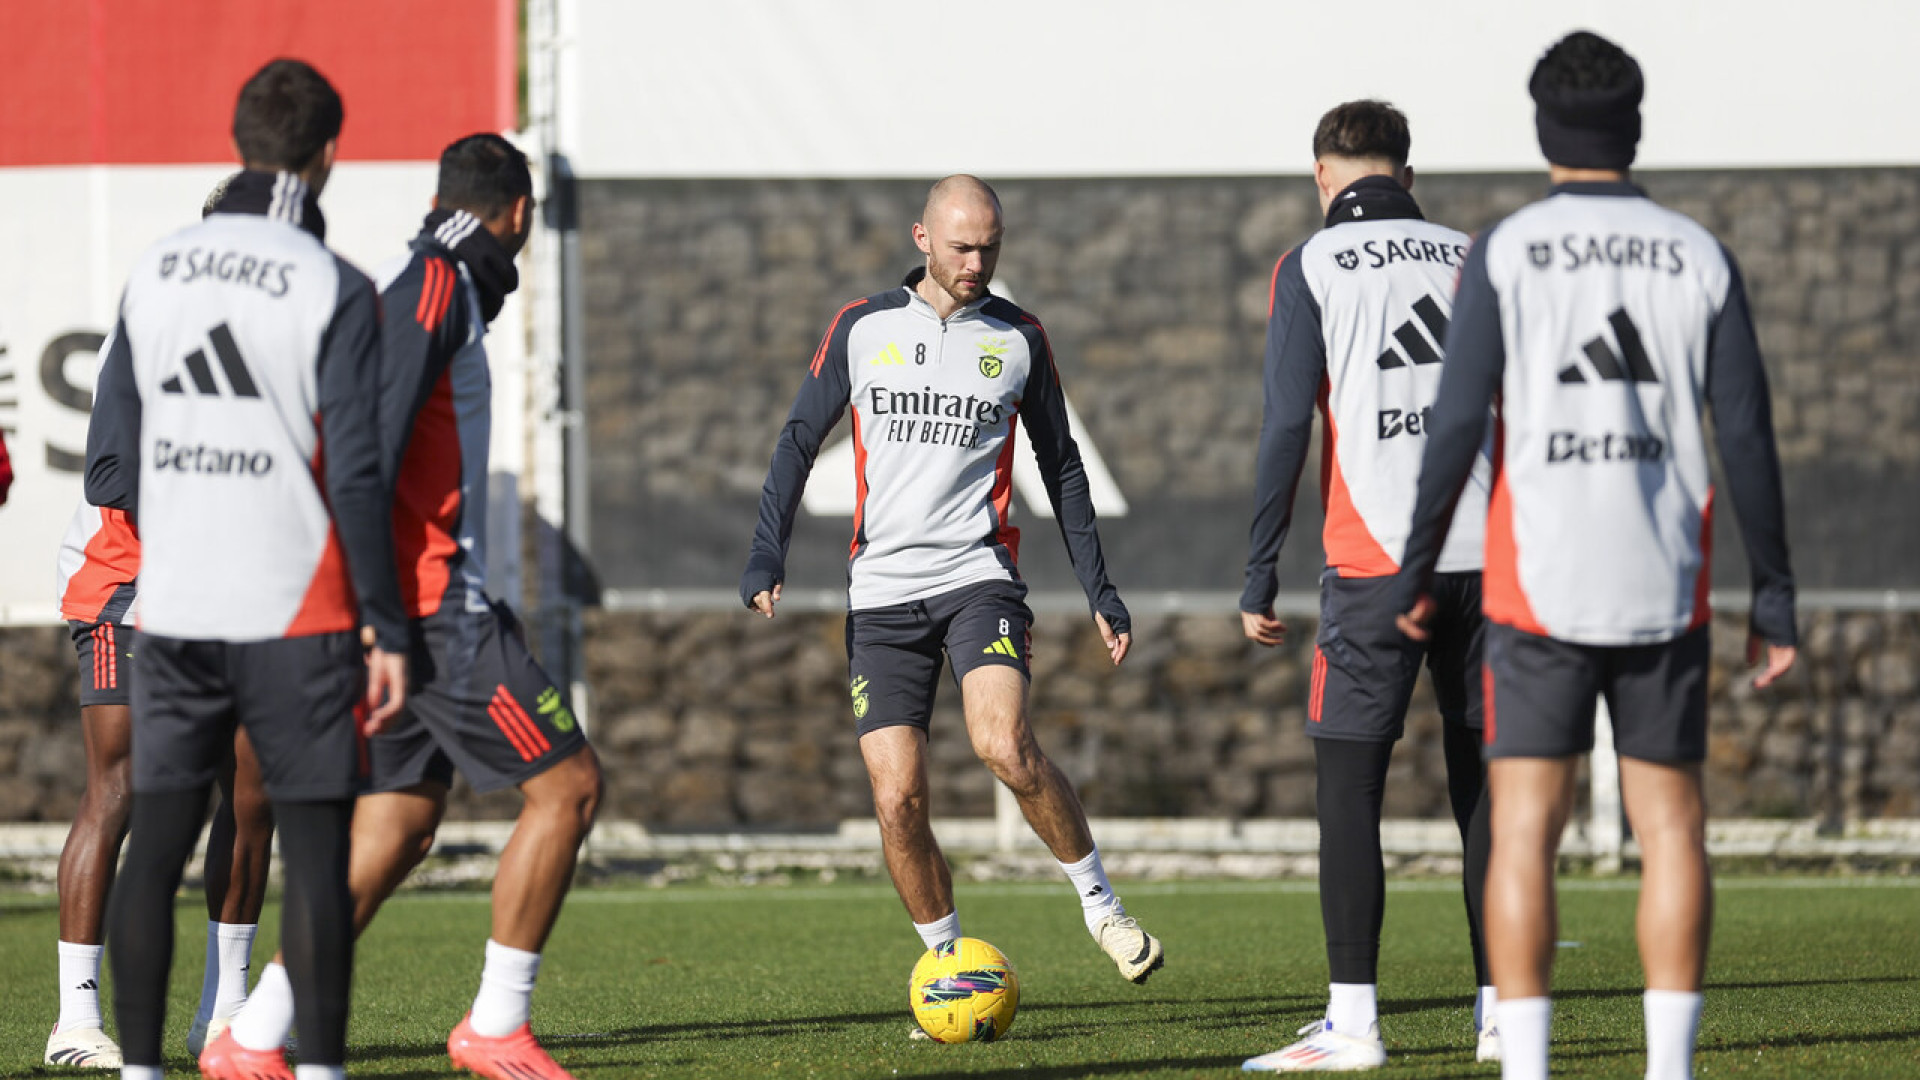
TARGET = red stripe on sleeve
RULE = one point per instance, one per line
(820, 354)
(1273, 287)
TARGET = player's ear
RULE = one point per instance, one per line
(522, 211)
(1406, 177)
(920, 239)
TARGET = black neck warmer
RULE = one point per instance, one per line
(281, 196)
(460, 234)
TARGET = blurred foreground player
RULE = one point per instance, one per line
(245, 369)
(937, 372)
(1358, 314)
(479, 701)
(1605, 325)
(98, 566)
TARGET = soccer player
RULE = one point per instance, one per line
(1358, 314)
(481, 701)
(98, 566)
(235, 425)
(1605, 325)
(937, 373)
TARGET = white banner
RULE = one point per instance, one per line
(1005, 88)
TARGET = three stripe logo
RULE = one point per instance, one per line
(889, 357)
(1630, 364)
(1416, 346)
(1003, 647)
(232, 365)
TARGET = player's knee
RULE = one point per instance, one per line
(1015, 760)
(570, 790)
(899, 807)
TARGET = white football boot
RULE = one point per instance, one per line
(82, 1048)
(1324, 1050)
(1488, 1047)
(1135, 952)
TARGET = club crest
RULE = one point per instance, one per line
(1347, 260)
(1541, 252)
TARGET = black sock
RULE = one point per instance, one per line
(1467, 791)
(1352, 778)
(316, 923)
(165, 826)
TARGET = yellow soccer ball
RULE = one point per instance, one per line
(964, 991)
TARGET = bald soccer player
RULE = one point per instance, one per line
(938, 371)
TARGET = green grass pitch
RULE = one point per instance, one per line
(1810, 977)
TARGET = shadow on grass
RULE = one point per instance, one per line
(1464, 1000)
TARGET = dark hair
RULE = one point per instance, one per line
(286, 114)
(1364, 129)
(483, 175)
(1584, 63)
(1586, 93)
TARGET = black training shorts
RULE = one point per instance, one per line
(893, 652)
(1364, 668)
(479, 701)
(106, 662)
(1541, 693)
(298, 698)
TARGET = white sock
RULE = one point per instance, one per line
(229, 951)
(1352, 1008)
(268, 1016)
(505, 999)
(1525, 1026)
(79, 985)
(939, 931)
(141, 1072)
(1097, 898)
(1483, 1009)
(1673, 1023)
(320, 1072)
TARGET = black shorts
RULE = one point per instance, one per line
(106, 662)
(1364, 668)
(893, 652)
(1541, 692)
(479, 701)
(298, 698)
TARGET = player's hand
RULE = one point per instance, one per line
(1779, 659)
(764, 600)
(386, 688)
(1263, 627)
(1117, 644)
(1414, 622)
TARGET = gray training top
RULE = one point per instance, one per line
(934, 406)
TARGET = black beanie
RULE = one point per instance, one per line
(1586, 92)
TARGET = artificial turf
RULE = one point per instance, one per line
(1809, 977)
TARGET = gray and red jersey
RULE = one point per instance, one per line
(934, 406)
(98, 566)
(1605, 326)
(235, 424)
(1357, 318)
(436, 414)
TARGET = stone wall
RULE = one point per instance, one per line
(705, 300)
(717, 719)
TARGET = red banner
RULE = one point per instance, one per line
(150, 82)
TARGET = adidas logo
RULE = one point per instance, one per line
(1003, 647)
(90, 984)
(1096, 890)
(1608, 364)
(889, 357)
(1415, 345)
(239, 379)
